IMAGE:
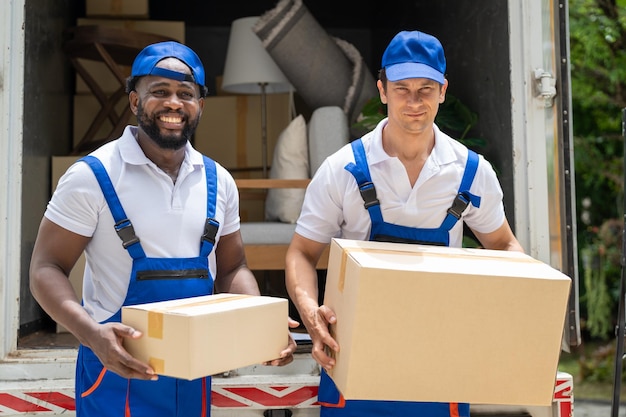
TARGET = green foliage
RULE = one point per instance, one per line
(598, 76)
(597, 366)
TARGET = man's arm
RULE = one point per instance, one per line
(500, 239)
(301, 280)
(54, 255)
(234, 276)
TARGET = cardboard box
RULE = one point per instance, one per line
(86, 107)
(230, 128)
(60, 164)
(117, 8)
(201, 336)
(106, 80)
(427, 323)
(230, 133)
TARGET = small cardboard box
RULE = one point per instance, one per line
(117, 8)
(426, 323)
(200, 336)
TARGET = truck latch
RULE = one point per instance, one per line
(545, 84)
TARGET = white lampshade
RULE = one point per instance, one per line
(248, 65)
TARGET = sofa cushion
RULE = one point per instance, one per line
(290, 161)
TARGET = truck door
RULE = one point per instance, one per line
(545, 218)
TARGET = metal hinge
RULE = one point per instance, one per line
(545, 84)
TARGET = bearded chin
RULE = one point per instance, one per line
(174, 142)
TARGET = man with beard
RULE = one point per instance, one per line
(177, 215)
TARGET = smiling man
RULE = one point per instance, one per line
(177, 215)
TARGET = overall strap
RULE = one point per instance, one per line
(123, 226)
(361, 174)
(211, 226)
(464, 197)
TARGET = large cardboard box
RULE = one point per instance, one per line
(426, 323)
(200, 336)
(230, 133)
(230, 128)
(60, 164)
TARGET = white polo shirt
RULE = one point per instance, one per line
(333, 206)
(168, 218)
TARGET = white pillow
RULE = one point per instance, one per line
(291, 161)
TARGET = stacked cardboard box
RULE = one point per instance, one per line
(117, 8)
(425, 323)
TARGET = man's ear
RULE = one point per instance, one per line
(201, 104)
(381, 92)
(133, 101)
(444, 88)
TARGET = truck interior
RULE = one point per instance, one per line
(475, 40)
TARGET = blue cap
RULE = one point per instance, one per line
(146, 61)
(414, 55)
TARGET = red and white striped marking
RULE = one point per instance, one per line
(564, 396)
(40, 402)
(58, 402)
(264, 397)
(47, 402)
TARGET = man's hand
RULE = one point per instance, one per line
(107, 344)
(321, 338)
(286, 356)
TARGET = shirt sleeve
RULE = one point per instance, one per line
(322, 211)
(490, 215)
(76, 201)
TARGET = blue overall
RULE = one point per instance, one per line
(331, 399)
(100, 392)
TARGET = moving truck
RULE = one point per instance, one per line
(507, 60)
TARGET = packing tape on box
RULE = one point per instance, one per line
(157, 364)
(155, 317)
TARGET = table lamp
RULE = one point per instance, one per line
(249, 69)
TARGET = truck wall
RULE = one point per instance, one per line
(47, 124)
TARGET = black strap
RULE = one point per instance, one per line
(368, 193)
(210, 230)
(459, 205)
(126, 232)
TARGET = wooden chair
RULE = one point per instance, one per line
(116, 48)
(266, 243)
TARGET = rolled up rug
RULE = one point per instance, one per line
(324, 70)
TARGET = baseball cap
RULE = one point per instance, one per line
(414, 54)
(146, 61)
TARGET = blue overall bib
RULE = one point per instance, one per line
(329, 396)
(100, 392)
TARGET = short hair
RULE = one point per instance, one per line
(382, 76)
(131, 85)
